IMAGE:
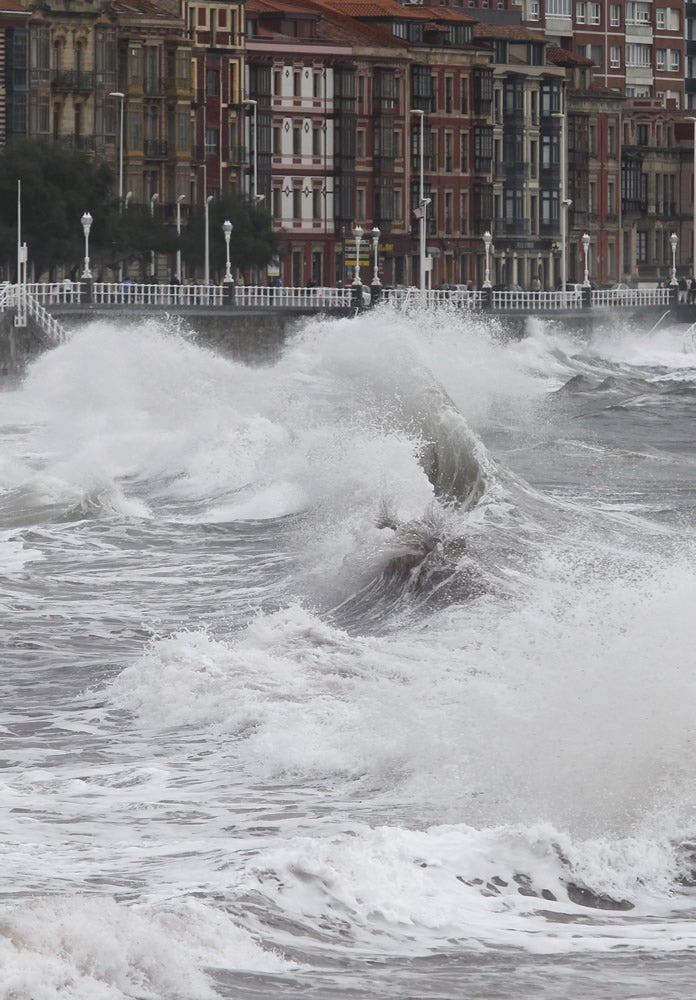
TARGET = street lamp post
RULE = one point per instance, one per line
(182, 197)
(86, 221)
(358, 233)
(376, 283)
(674, 239)
(121, 96)
(153, 257)
(255, 196)
(227, 230)
(487, 240)
(586, 250)
(206, 259)
(375, 250)
(423, 202)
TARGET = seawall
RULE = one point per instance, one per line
(253, 337)
(257, 337)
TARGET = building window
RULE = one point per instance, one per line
(637, 55)
(276, 134)
(580, 13)
(297, 204)
(360, 144)
(448, 152)
(296, 83)
(297, 140)
(464, 152)
(660, 58)
(674, 60)
(277, 203)
(316, 203)
(316, 140)
(212, 83)
(464, 211)
(449, 217)
(212, 141)
(615, 57)
(615, 15)
(638, 12)
(595, 13)
(641, 247)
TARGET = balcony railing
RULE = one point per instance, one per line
(155, 149)
(73, 80)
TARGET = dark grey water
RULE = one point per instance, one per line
(365, 673)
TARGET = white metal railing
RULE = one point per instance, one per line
(252, 296)
(523, 301)
(127, 293)
(49, 324)
(262, 297)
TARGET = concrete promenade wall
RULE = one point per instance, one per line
(252, 337)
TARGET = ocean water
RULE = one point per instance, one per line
(368, 672)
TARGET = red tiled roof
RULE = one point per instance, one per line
(142, 8)
(562, 57)
(10, 7)
(507, 32)
(332, 24)
(384, 9)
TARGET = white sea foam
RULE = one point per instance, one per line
(93, 948)
(550, 706)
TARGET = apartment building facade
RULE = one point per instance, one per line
(318, 108)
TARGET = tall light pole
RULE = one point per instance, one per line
(358, 233)
(375, 249)
(86, 221)
(586, 250)
(206, 259)
(153, 258)
(255, 196)
(423, 202)
(182, 197)
(121, 96)
(674, 239)
(487, 240)
(227, 228)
